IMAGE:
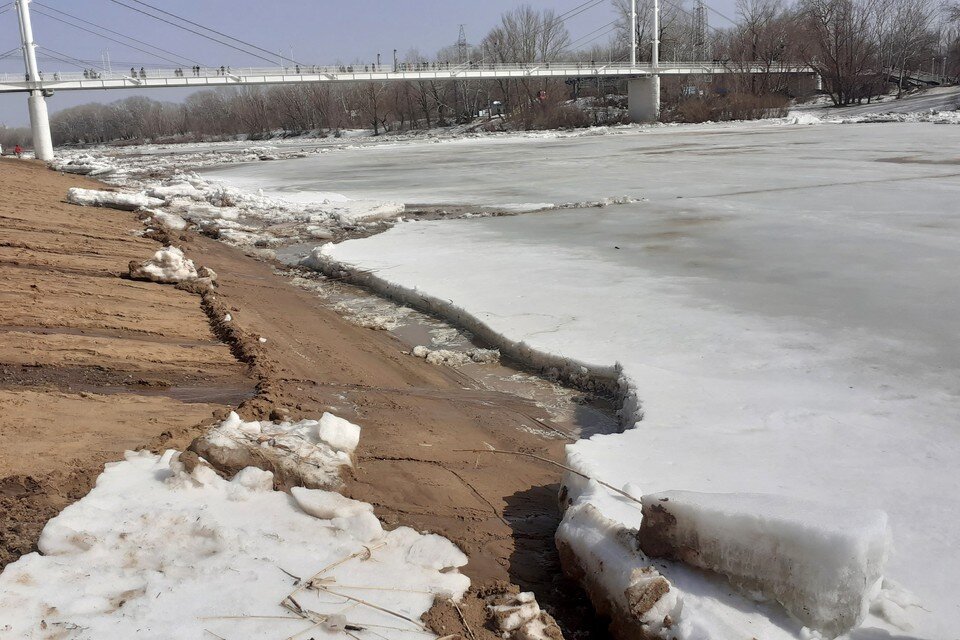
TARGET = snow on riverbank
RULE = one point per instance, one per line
(307, 453)
(235, 215)
(111, 199)
(164, 548)
(784, 328)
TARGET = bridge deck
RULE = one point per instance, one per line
(226, 76)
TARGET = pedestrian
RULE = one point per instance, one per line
(133, 72)
(223, 70)
(143, 74)
(18, 150)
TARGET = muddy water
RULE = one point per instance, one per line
(573, 413)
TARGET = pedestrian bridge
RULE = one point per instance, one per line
(643, 78)
(203, 77)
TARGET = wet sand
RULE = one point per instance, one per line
(91, 364)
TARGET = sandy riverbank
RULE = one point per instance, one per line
(95, 364)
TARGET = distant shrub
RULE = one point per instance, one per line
(734, 106)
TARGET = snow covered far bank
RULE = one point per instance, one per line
(782, 305)
(940, 105)
(163, 549)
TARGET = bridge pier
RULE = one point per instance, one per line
(36, 103)
(804, 84)
(643, 98)
(40, 126)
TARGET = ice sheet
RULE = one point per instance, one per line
(784, 302)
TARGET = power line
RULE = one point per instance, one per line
(68, 59)
(609, 28)
(225, 35)
(575, 12)
(179, 63)
(193, 31)
(117, 63)
(219, 33)
(122, 35)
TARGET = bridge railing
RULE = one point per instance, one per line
(587, 68)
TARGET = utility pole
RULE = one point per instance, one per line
(633, 33)
(700, 31)
(36, 103)
(394, 60)
(656, 34)
(462, 45)
(460, 88)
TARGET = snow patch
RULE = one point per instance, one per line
(801, 118)
(176, 188)
(111, 199)
(308, 452)
(167, 266)
(84, 165)
(518, 616)
(159, 549)
(456, 358)
(169, 220)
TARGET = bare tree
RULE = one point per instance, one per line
(838, 45)
(764, 38)
(912, 36)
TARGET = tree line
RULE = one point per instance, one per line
(860, 48)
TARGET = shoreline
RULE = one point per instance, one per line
(603, 379)
(562, 368)
(305, 359)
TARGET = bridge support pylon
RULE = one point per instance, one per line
(40, 126)
(36, 103)
(643, 98)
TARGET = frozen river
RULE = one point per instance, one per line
(784, 298)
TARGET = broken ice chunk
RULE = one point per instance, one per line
(822, 563)
(340, 434)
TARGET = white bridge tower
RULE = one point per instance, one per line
(37, 104)
(643, 94)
